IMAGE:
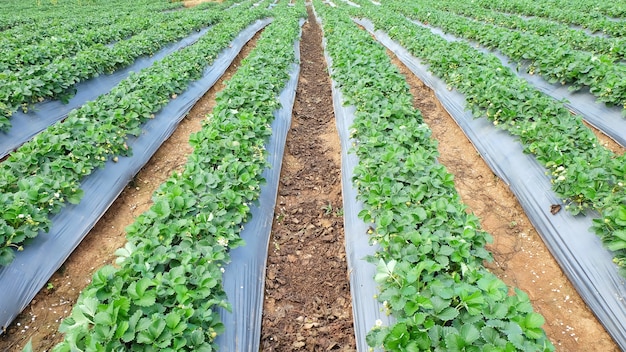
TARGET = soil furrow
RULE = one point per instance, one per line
(307, 296)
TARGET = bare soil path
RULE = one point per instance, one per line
(308, 305)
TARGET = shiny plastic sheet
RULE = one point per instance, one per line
(244, 276)
(579, 252)
(25, 126)
(32, 268)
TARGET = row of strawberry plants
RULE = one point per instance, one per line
(43, 29)
(614, 48)
(45, 173)
(42, 9)
(595, 8)
(56, 79)
(614, 9)
(16, 55)
(36, 24)
(430, 263)
(166, 289)
(585, 174)
(590, 20)
(554, 60)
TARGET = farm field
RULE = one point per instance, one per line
(309, 176)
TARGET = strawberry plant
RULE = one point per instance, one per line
(44, 174)
(430, 263)
(615, 48)
(547, 56)
(55, 79)
(65, 43)
(165, 290)
(586, 175)
(563, 12)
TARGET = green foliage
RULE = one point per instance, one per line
(167, 287)
(613, 48)
(584, 174)
(546, 55)
(76, 49)
(44, 174)
(588, 14)
(430, 263)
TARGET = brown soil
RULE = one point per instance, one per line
(308, 305)
(521, 259)
(41, 319)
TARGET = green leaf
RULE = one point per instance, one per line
(6, 256)
(469, 333)
(157, 327)
(179, 343)
(494, 287)
(75, 197)
(197, 338)
(421, 214)
(616, 241)
(446, 250)
(413, 346)
(411, 307)
(621, 216)
(397, 337)
(439, 304)
(514, 334)
(386, 218)
(104, 318)
(87, 308)
(435, 334)
(365, 215)
(448, 314)
(384, 271)
(162, 209)
(376, 337)
(473, 303)
(454, 341)
(133, 321)
(172, 320)
(532, 326)
(534, 320)
(492, 336)
(28, 347)
(138, 291)
(122, 327)
(496, 310)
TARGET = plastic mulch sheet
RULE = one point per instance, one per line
(579, 251)
(32, 268)
(26, 125)
(244, 276)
